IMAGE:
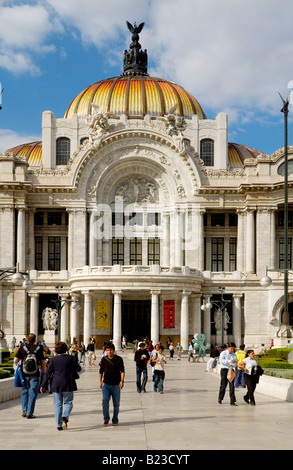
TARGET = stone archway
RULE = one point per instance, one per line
(279, 307)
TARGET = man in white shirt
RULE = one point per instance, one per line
(228, 362)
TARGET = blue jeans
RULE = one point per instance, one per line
(30, 390)
(82, 358)
(108, 392)
(60, 398)
(239, 379)
(159, 376)
(141, 386)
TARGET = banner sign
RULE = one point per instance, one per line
(169, 313)
(103, 314)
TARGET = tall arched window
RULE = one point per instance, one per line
(207, 151)
(62, 150)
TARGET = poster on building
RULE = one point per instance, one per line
(103, 314)
(169, 313)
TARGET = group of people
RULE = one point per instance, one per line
(238, 369)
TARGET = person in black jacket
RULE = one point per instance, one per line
(141, 357)
(62, 370)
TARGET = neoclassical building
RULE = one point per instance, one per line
(137, 206)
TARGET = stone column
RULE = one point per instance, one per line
(155, 317)
(74, 323)
(34, 313)
(64, 320)
(240, 262)
(7, 244)
(87, 317)
(207, 323)
(21, 238)
(184, 321)
(196, 314)
(237, 318)
(117, 319)
(166, 240)
(77, 236)
(31, 239)
(92, 241)
(200, 223)
(250, 241)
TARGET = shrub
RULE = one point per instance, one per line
(4, 374)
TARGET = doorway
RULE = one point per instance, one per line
(136, 319)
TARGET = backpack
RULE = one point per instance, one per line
(30, 362)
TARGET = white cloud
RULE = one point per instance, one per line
(10, 139)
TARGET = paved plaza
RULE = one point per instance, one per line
(186, 417)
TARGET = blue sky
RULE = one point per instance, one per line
(233, 56)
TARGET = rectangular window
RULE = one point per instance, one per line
(282, 253)
(233, 254)
(233, 218)
(54, 218)
(118, 218)
(39, 253)
(217, 254)
(153, 251)
(135, 251)
(117, 251)
(54, 253)
(218, 220)
(281, 218)
(154, 218)
(136, 218)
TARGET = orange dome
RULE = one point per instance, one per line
(135, 96)
(32, 152)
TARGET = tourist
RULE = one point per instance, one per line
(239, 379)
(228, 362)
(31, 356)
(190, 351)
(91, 352)
(252, 371)
(62, 373)
(171, 349)
(141, 358)
(82, 351)
(159, 373)
(179, 351)
(112, 374)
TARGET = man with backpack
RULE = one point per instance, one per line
(30, 356)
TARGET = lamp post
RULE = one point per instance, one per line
(59, 304)
(285, 330)
(221, 306)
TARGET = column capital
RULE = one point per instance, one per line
(156, 292)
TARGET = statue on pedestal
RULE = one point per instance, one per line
(50, 318)
(198, 344)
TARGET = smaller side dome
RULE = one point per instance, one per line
(31, 151)
(238, 153)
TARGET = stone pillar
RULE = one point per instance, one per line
(34, 313)
(87, 328)
(237, 319)
(64, 321)
(184, 321)
(196, 314)
(155, 317)
(74, 323)
(21, 238)
(250, 241)
(92, 241)
(240, 263)
(207, 323)
(31, 239)
(117, 319)
(178, 227)
(200, 223)
(166, 240)
(7, 244)
(77, 236)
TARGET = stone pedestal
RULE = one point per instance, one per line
(3, 343)
(283, 342)
(50, 338)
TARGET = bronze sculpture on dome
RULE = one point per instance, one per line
(135, 60)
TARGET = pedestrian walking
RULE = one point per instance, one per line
(141, 358)
(82, 351)
(239, 379)
(63, 371)
(159, 372)
(252, 372)
(228, 362)
(112, 374)
(30, 356)
(171, 349)
(179, 351)
(91, 352)
(190, 351)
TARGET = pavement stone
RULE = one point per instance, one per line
(187, 417)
